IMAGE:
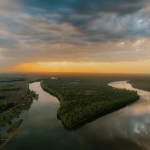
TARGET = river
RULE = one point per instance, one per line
(124, 129)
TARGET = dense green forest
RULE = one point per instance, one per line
(84, 97)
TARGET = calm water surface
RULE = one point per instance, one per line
(125, 129)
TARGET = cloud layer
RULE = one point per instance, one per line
(74, 31)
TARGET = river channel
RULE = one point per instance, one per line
(124, 129)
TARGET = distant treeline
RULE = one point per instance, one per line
(11, 79)
(143, 84)
(83, 98)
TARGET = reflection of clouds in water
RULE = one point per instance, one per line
(134, 122)
(127, 128)
(24, 133)
(132, 128)
(51, 100)
(43, 98)
(121, 85)
(48, 107)
(136, 110)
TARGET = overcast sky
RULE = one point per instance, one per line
(67, 32)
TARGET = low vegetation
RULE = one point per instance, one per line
(12, 85)
(15, 98)
(84, 97)
(15, 126)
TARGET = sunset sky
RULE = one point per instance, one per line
(102, 36)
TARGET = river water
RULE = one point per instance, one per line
(125, 129)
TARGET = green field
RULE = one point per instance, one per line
(12, 86)
(13, 90)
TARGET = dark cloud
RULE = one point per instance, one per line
(84, 15)
(89, 7)
(79, 13)
(74, 30)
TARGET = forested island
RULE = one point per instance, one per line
(83, 98)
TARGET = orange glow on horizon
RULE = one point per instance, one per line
(91, 67)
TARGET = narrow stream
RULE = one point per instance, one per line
(125, 129)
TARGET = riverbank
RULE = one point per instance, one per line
(13, 114)
(16, 111)
(14, 128)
